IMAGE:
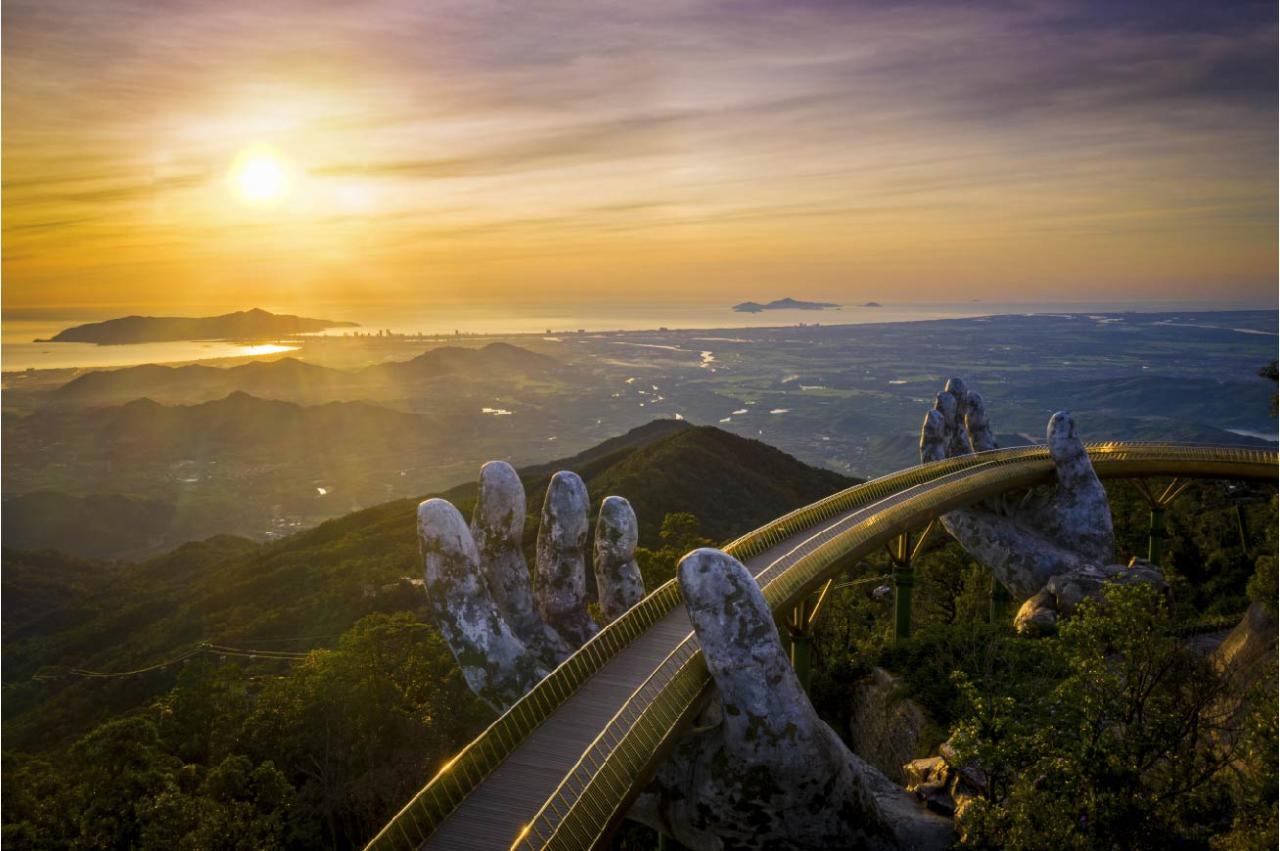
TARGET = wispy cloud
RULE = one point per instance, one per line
(852, 131)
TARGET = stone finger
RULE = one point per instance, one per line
(497, 526)
(618, 580)
(977, 424)
(495, 663)
(561, 559)
(959, 440)
(933, 440)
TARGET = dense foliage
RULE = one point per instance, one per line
(255, 753)
(1116, 734)
(258, 753)
(233, 759)
(1126, 750)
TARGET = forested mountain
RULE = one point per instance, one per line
(294, 380)
(239, 464)
(292, 754)
(323, 580)
(321, 750)
(287, 378)
(255, 324)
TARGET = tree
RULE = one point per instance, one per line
(356, 730)
(1123, 753)
(681, 531)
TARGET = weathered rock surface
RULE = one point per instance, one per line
(495, 663)
(1028, 546)
(885, 728)
(497, 526)
(1051, 551)
(618, 581)
(764, 771)
(1250, 648)
(1040, 614)
(561, 559)
(943, 783)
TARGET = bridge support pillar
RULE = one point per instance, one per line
(902, 555)
(1242, 528)
(1155, 538)
(802, 659)
(1000, 600)
(799, 633)
(1158, 504)
(904, 580)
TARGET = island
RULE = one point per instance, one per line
(784, 304)
(873, 304)
(244, 325)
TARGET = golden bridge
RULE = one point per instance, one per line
(561, 766)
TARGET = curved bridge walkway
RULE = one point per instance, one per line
(561, 766)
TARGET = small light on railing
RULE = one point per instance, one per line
(444, 768)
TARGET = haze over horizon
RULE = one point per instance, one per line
(293, 154)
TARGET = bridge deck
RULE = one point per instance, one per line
(494, 813)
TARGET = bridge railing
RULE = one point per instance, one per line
(667, 694)
(419, 818)
(595, 793)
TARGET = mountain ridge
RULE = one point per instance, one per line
(321, 580)
(291, 378)
(253, 324)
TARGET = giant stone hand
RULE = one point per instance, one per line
(759, 770)
(1053, 551)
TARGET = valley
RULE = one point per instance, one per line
(264, 447)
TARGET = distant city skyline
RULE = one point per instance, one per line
(181, 154)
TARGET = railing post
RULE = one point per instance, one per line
(1000, 600)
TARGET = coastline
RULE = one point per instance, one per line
(230, 353)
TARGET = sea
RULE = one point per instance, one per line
(21, 328)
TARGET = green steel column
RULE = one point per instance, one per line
(1242, 529)
(1155, 543)
(801, 658)
(903, 579)
(1000, 600)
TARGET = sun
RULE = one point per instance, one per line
(260, 176)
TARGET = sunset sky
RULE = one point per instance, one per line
(161, 154)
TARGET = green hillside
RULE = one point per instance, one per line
(320, 750)
(321, 581)
(301, 753)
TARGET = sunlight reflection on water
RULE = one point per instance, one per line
(19, 356)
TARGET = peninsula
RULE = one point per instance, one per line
(244, 325)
